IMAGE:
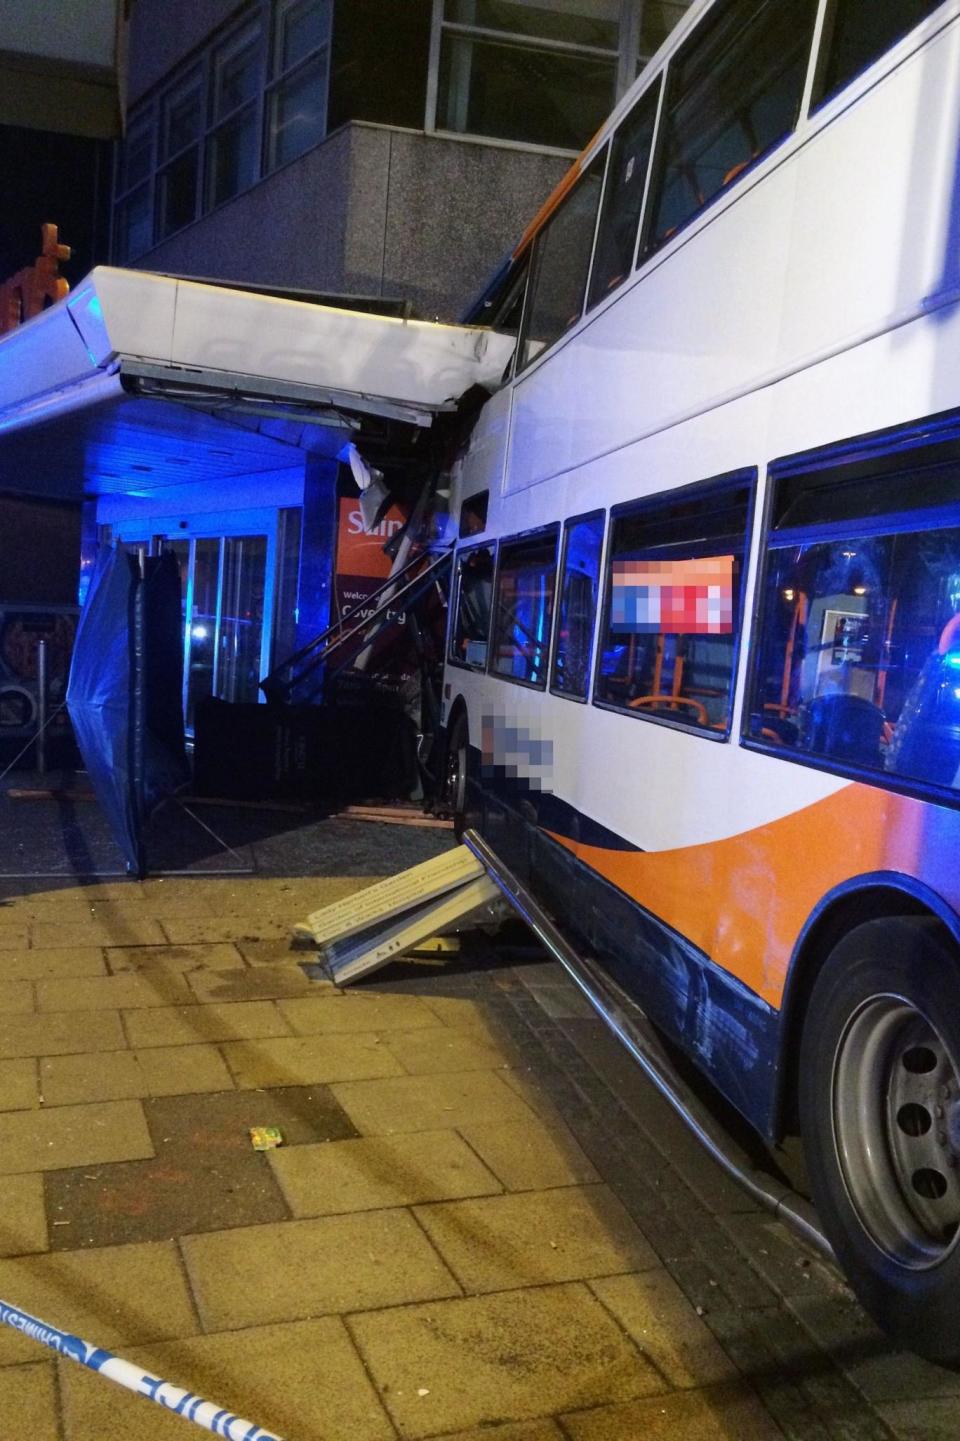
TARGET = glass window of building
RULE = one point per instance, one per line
(543, 73)
(181, 114)
(297, 102)
(657, 19)
(233, 143)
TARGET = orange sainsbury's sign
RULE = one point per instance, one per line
(34, 287)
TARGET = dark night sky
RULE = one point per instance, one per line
(58, 178)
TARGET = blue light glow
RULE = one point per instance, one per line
(952, 659)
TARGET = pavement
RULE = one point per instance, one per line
(483, 1224)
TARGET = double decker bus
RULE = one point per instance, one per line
(702, 683)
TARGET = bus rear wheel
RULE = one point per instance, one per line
(880, 1117)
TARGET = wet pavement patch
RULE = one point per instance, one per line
(159, 1200)
(220, 1124)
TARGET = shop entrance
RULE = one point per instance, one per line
(227, 604)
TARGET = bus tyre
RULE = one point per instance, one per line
(455, 788)
(880, 1118)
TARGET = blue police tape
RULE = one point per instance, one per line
(183, 1403)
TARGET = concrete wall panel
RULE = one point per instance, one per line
(374, 211)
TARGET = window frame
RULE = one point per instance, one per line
(565, 529)
(553, 527)
(904, 440)
(729, 480)
(262, 16)
(275, 80)
(454, 611)
(194, 73)
(623, 58)
(217, 124)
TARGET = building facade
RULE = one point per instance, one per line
(377, 147)
(388, 150)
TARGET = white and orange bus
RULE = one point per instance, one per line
(702, 686)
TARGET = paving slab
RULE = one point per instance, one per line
(130, 930)
(14, 936)
(511, 1431)
(440, 1048)
(23, 1219)
(355, 1010)
(113, 993)
(181, 1025)
(376, 1172)
(69, 962)
(532, 1237)
(115, 1075)
(514, 1355)
(655, 1313)
(279, 951)
(72, 1136)
(28, 1403)
(461, 1012)
(114, 1296)
(219, 1125)
(262, 1274)
(303, 1380)
(16, 997)
(61, 1034)
(922, 1419)
(108, 1076)
(187, 931)
(176, 959)
(529, 1156)
(430, 1103)
(260, 983)
(183, 1070)
(725, 1413)
(160, 1200)
(305, 1060)
(18, 1084)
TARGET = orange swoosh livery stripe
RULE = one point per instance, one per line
(744, 900)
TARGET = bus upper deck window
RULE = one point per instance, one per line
(561, 259)
(857, 32)
(734, 91)
(623, 198)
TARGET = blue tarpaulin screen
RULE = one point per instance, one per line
(124, 692)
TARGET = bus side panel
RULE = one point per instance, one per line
(724, 309)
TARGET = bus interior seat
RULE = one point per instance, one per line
(847, 727)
